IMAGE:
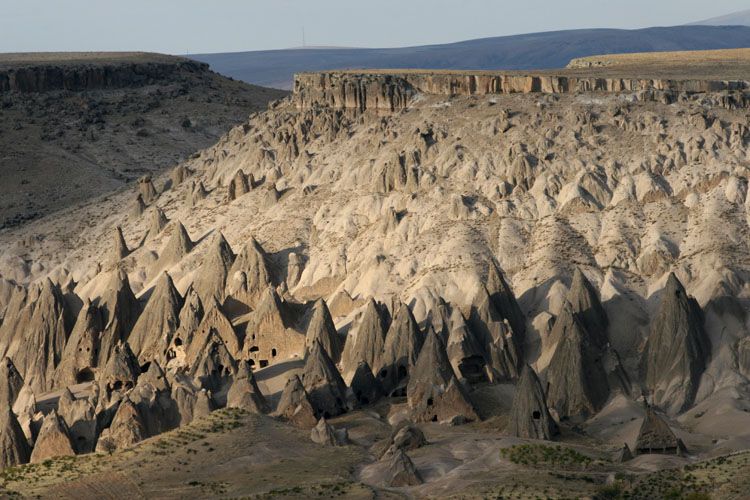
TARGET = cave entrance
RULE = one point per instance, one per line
(85, 375)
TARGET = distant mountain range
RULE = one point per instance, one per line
(275, 68)
(741, 18)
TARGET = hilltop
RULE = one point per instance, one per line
(77, 125)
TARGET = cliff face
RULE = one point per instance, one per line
(390, 92)
(49, 77)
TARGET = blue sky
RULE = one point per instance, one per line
(182, 26)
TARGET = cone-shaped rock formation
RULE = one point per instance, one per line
(53, 440)
(529, 416)
(433, 393)
(323, 383)
(400, 351)
(152, 334)
(322, 329)
(677, 350)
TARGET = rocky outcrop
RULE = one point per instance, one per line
(401, 471)
(120, 311)
(80, 418)
(40, 342)
(80, 356)
(393, 91)
(41, 77)
(584, 301)
(249, 275)
(433, 393)
(177, 247)
(365, 387)
(576, 376)
(324, 384)
(53, 440)
(211, 278)
(14, 449)
(400, 350)
(152, 334)
(677, 350)
(244, 392)
(325, 434)
(11, 382)
(367, 345)
(499, 343)
(529, 415)
(321, 329)
(465, 352)
(295, 405)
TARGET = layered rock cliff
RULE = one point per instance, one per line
(392, 91)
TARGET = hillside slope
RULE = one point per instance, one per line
(530, 51)
(545, 273)
(74, 126)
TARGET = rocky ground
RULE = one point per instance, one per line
(419, 294)
(61, 146)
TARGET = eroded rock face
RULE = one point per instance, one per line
(245, 393)
(677, 350)
(400, 350)
(11, 382)
(212, 277)
(401, 470)
(368, 344)
(529, 416)
(41, 331)
(321, 329)
(576, 376)
(79, 416)
(81, 354)
(14, 449)
(152, 334)
(326, 434)
(295, 405)
(433, 393)
(323, 383)
(388, 93)
(53, 440)
(365, 387)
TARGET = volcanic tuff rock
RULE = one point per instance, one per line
(79, 416)
(433, 393)
(576, 376)
(529, 416)
(295, 404)
(11, 382)
(368, 343)
(400, 350)
(401, 470)
(14, 449)
(53, 440)
(324, 433)
(466, 216)
(244, 392)
(102, 116)
(323, 383)
(365, 387)
(321, 329)
(677, 350)
(152, 334)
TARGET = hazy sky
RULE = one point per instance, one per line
(180, 26)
